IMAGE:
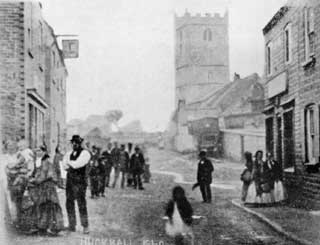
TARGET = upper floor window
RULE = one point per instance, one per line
(53, 58)
(269, 58)
(309, 36)
(207, 35)
(288, 43)
(210, 76)
(41, 33)
(180, 36)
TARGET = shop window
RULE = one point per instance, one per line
(35, 127)
(310, 154)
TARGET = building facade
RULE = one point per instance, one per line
(56, 75)
(24, 72)
(292, 72)
(201, 64)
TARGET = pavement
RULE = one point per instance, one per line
(301, 226)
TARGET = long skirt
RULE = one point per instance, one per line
(252, 196)
(50, 217)
(279, 191)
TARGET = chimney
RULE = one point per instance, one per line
(236, 76)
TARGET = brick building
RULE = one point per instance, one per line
(292, 73)
(25, 104)
(201, 64)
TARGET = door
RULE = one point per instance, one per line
(279, 141)
(269, 135)
(288, 139)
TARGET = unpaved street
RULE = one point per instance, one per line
(134, 217)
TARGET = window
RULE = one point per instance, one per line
(53, 58)
(287, 42)
(41, 33)
(35, 127)
(309, 35)
(207, 35)
(310, 133)
(180, 36)
(180, 49)
(210, 76)
(269, 59)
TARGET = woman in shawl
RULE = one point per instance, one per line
(43, 212)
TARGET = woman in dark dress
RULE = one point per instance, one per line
(246, 176)
(42, 210)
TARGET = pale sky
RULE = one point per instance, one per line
(127, 51)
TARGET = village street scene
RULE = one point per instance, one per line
(153, 123)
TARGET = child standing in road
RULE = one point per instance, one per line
(179, 212)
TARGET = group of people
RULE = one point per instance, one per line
(31, 180)
(127, 163)
(262, 180)
(30, 188)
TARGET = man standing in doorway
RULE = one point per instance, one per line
(75, 163)
(204, 177)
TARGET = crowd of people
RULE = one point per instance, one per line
(31, 181)
(262, 180)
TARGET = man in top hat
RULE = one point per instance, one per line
(75, 163)
(204, 176)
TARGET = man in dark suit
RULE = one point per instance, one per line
(137, 165)
(204, 177)
(75, 163)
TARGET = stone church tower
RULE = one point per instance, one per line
(201, 68)
(201, 55)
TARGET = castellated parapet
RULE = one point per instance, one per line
(198, 18)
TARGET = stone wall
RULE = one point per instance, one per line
(236, 142)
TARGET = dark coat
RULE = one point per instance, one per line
(124, 161)
(137, 163)
(115, 155)
(205, 169)
(106, 157)
(276, 170)
(184, 209)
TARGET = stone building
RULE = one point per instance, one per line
(56, 74)
(25, 105)
(292, 74)
(201, 64)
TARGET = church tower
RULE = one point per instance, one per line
(201, 56)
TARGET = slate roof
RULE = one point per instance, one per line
(232, 96)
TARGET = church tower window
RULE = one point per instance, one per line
(207, 35)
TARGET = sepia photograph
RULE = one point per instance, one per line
(160, 122)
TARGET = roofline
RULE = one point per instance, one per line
(275, 19)
(57, 46)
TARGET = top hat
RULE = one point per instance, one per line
(202, 153)
(76, 139)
